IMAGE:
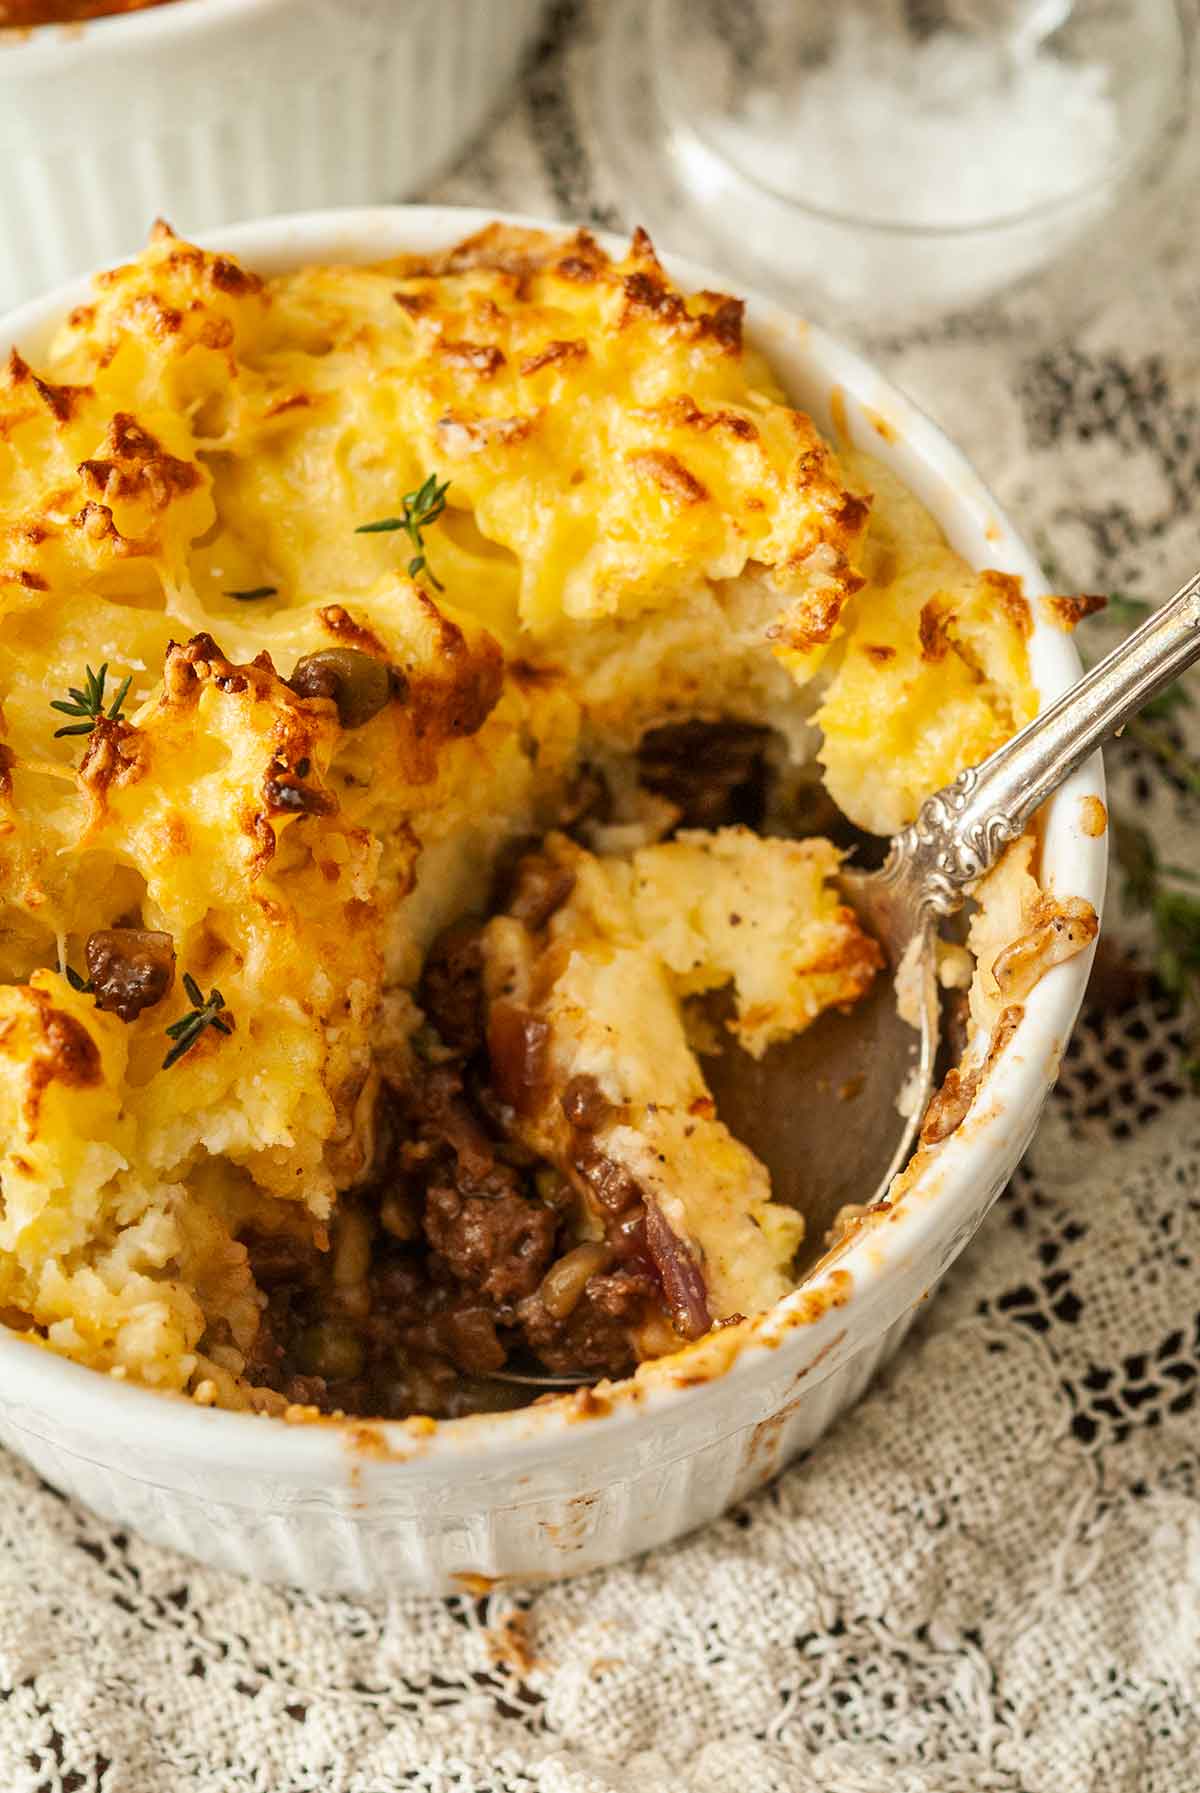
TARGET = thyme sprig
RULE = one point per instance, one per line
(1167, 894)
(206, 1011)
(89, 702)
(1122, 608)
(1145, 728)
(422, 507)
(1152, 886)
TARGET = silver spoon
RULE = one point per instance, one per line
(821, 1110)
(822, 1151)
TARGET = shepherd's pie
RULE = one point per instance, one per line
(445, 659)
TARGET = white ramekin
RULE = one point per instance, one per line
(205, 111)
(567, 1486)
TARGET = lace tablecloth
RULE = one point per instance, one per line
(988, 1577)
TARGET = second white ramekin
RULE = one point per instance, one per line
(206, 111)
(369, 1508)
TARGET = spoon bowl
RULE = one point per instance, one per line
(832, 1111)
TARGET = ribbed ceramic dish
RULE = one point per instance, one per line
(585, 1480)
(205, 111)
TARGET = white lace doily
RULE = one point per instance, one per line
(988, 1577)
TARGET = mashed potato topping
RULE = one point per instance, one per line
(670, 921)
(293, 767)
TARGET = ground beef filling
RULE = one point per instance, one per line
(463, 1257)
(714, 772)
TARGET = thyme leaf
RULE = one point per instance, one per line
(255, 592)
(1157, 742)
(1151, 886)
(89, 703)
(1123, 608)
(206, 1011)
(422, 507)
(1173, 698)
(1158, 889)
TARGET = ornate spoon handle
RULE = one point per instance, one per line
(960, 831)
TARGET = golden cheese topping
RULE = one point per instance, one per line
(730, 907)
(296, 751)
(932, 668)
(608, 442)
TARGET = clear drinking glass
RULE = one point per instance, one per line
(882, 162)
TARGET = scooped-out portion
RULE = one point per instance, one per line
(555, 1188)
(436, 698)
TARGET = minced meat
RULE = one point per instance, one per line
(461, 1258)
(434, 1277)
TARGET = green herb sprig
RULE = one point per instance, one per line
(1145, 728)
(1152, 886)
(89, 702)
(421, 508)
(252, 596)
(1167, 894)
(1124, 609)
(206, 1011)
